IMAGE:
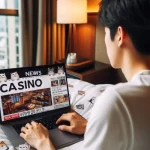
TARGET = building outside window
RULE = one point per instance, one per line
(10, 53)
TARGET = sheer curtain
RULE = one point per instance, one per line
(42, 39)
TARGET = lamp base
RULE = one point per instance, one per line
(81, 63)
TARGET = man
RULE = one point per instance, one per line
(120, 118)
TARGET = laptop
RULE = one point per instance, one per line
(35, 93)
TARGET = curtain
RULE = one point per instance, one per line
(42, 39)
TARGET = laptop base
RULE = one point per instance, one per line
(62, 139)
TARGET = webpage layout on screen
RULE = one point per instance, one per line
(26, 92)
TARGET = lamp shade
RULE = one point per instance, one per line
(71, 11)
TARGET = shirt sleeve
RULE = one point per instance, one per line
(109, 126)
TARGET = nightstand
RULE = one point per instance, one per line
(98, 73)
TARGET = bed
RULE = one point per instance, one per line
(82, 96)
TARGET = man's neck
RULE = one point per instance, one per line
(131, 67)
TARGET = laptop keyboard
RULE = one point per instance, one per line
(49, 122)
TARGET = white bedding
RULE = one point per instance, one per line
(82, 97)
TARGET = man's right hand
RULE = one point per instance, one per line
(77, 123)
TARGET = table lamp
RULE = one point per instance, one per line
(71, 12)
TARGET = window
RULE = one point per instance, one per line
(17, 40)
(9, 4)
(17, 30)
(17, 50)
(9, 34)
(17, 59)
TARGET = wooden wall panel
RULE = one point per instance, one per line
(85, 42)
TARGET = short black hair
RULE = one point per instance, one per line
(133, 16)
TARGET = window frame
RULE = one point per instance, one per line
(9, 12)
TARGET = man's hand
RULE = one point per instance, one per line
(37, 136)
(77, 123)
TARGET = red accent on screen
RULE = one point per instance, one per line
(14, 116)
(10, 117)
(7, 118)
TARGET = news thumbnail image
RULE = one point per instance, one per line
(54, 83)
(58, 82)
(60, 99)
(62, 82)
(21, 102)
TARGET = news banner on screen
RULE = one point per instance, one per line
(24, 92)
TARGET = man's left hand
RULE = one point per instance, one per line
(37, 136)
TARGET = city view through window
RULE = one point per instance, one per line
(9, 36)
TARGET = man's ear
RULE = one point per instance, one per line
(120, 36)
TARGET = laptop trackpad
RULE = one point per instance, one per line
(61, 139)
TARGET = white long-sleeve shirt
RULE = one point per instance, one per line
(120, 118)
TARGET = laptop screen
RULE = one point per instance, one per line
(32, 90)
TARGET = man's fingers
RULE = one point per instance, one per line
(28, 125)
(59, 120)
(64, 117)
(42, 126)
(34, 123)
(23, 129)
(22, 135)
(66, 128)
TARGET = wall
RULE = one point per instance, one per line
(90, 36)
(90, 39)
(93, 5)
(100, 48)
(86, 38)
(85, 45)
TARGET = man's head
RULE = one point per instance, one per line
(122, 18)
